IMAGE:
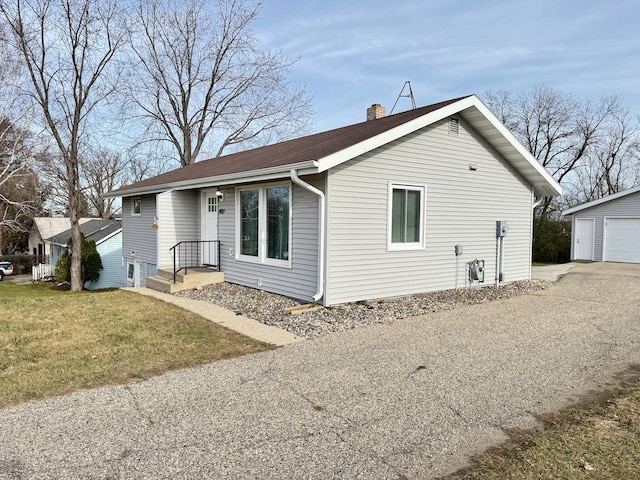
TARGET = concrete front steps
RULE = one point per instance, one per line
(195, 277)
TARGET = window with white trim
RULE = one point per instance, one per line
(212, 204)
(406, 217)
(136, 206)
(263, 222)
(130, 271)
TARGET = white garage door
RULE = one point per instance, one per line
(622, 240)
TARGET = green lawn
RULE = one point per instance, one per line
(597, 440)
(54, 342)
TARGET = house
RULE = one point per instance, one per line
(392, 206)
(42, 229)
(108, 237)
(607, 229)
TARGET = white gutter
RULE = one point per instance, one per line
(261, 175)
(321, 227)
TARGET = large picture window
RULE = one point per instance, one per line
(249, 222)
(278, 223)
(406, 212)
(264, 219)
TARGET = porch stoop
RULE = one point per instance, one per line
(195, 277)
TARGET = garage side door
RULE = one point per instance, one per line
(622, 240)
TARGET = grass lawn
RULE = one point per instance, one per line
(54, 342)
(597, 440)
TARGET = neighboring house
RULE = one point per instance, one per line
(108, 237)
(366, 211)
(42, 230)
(608, 229)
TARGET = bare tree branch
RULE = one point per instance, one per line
(66, 47)
(202, 79)
(562, 132)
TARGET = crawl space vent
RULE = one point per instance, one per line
(454, 126)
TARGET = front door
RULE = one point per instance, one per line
(583, 246)
(209, 226)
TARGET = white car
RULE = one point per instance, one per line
(6, 268)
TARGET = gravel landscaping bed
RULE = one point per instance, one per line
(269, 308)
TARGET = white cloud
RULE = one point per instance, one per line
(353, 53)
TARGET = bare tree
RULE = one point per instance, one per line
(19, 199)
(614, 162)
(102, 172)
(66, 47)
(203, 82)
(558, 129)
(18, 183)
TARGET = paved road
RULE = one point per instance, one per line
(412, 398)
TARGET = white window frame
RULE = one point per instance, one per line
(262, 225)
(397, 246)
(133, 207)
(133, 272)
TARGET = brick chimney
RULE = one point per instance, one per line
(376, 111)
(106, 216)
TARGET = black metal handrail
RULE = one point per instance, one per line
(194, 254)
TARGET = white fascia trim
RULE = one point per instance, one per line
(266, 174)
(112, 234)
(50, 242)
(608, 198)
(383, 138)
(497, 124)
(365, 146)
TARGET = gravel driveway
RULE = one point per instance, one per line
(409, 399)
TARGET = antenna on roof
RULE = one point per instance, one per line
(406, 85)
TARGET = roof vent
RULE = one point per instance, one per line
(454, 126)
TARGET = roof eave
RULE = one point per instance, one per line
(602, 200)
(542, 182)
(281, 171)
(392, 134)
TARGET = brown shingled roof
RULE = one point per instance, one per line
(303, 149)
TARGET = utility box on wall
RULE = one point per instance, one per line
(476, 271)
(502, 227)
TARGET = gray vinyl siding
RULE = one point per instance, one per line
(113, 272)
(462, 207)
(627, 206)
(299, 281)
(178, 220)
(139, 238)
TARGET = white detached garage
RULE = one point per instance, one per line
(607, 229)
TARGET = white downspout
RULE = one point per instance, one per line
(321, 227)
(537, 201)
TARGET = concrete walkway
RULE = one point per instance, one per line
(552, 272)
(246, 326)
(409, 399)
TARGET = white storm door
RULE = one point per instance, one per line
(584, 236)
(622, 240)
(209, 226)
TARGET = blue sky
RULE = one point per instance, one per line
(354, 53)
